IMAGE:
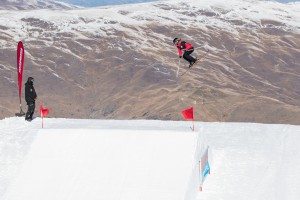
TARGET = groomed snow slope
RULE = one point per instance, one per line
(96, 159)
(111, 164)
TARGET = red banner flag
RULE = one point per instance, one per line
(188, 113)
(44, 111)
(20, 65)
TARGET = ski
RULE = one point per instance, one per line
(198, 60)
(20, 114)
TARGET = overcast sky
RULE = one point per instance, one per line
(91, 3)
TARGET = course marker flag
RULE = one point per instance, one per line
(43, 112)
(188, 114)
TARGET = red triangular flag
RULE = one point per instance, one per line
(188, 113)
(44, 111)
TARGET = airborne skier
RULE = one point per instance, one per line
(187, 49)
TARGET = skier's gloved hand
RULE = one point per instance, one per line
(180, 56)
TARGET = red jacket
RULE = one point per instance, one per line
(183, 46)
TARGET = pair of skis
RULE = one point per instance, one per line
(198, 60)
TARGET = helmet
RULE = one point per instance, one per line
(175, 41)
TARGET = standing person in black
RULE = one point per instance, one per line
(30, 97)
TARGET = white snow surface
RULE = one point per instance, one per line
(146, 159)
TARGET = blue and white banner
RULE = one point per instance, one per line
(205, 171)
(204, 167)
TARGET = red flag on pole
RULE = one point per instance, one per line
(188, 114)
(44, 112)
(20, 67)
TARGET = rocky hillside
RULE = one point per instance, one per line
(119, 63)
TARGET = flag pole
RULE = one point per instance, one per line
(42, 116)
(193, 125)
(193, 118)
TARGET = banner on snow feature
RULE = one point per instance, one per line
(204, 168)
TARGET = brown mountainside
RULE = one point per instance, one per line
(115, 63)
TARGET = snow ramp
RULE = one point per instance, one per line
(76, 164)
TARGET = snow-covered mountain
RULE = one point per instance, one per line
(119, 62)
(34, 4)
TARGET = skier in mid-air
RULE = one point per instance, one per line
(30, 97)
(187, 49)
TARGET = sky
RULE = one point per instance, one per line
(91, 3)
(147, 159)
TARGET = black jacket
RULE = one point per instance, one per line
(30, 94)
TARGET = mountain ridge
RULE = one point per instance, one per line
(119, 63)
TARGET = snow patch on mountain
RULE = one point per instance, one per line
(229, 16)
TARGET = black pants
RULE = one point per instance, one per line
(30, 111)
(187, 56)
